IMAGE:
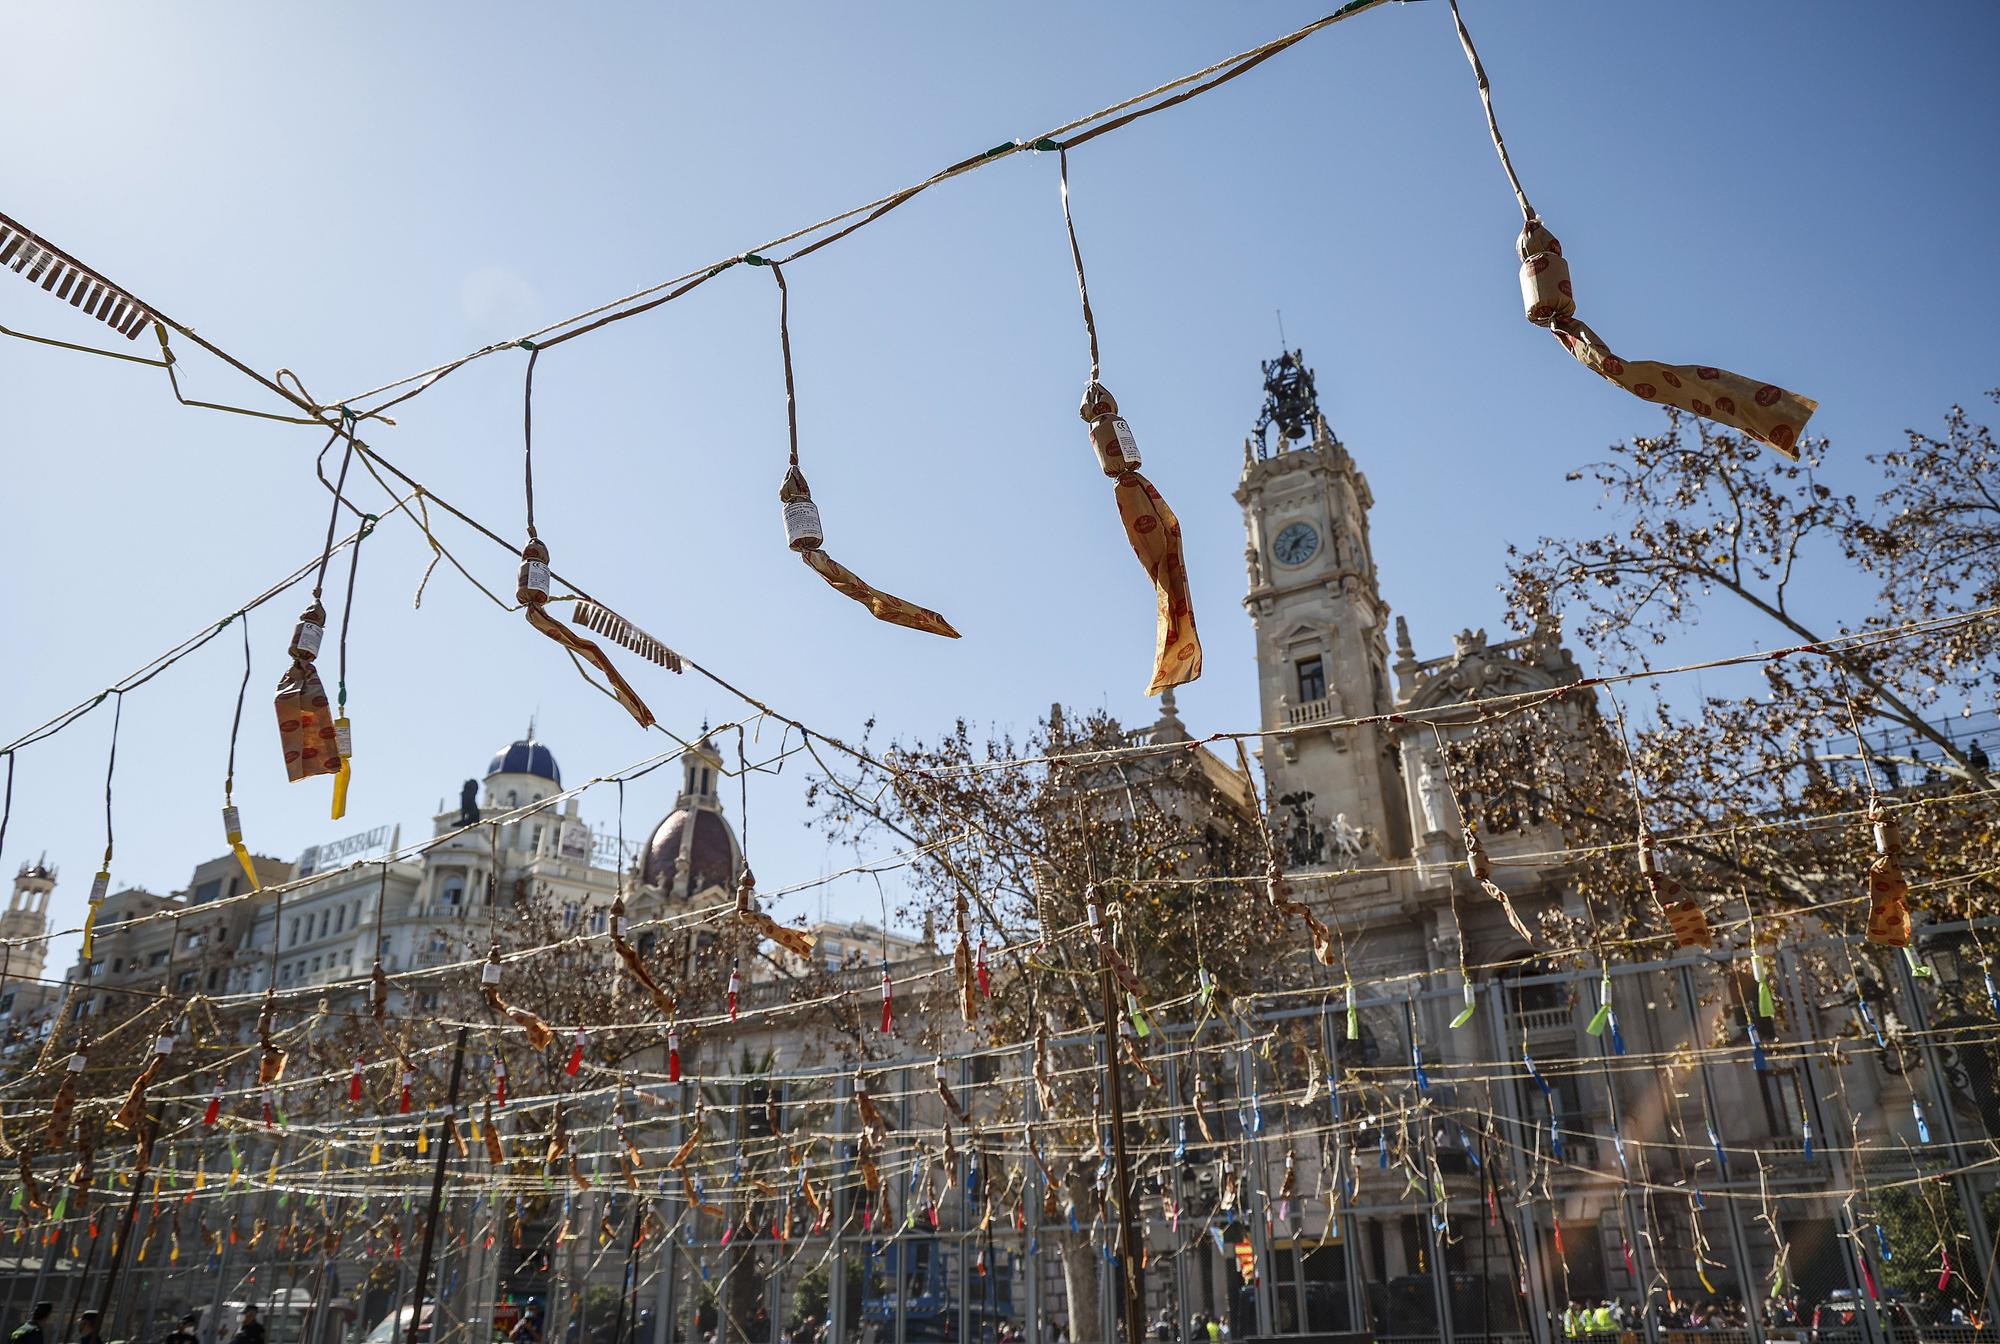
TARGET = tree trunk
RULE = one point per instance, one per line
(1082, 1307)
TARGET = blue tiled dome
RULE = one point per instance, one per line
(526, 758)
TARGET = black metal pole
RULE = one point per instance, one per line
(124, 1242)
(1128, 1250)
(83, 1283)
(437, 1184)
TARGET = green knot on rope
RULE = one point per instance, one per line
(1046, 146)
(368, 521)
(224, 623)
(1006, 148)
(756, 260)
(528, 345)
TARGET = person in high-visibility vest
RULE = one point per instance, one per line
(1604, 1320)
(1571, 1324)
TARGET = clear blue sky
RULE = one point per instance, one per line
(1801, 192)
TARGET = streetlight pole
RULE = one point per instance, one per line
(437, 1185)
(1128, 1240)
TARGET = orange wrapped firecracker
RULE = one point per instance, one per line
(1155, 534)
(1888, 892)
(305, 718)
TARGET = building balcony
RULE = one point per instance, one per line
(1545, 1021)
(1322, 710)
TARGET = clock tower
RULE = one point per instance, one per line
(1336, 794)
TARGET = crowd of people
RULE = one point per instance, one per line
(41, 1328)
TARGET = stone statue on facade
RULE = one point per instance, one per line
(1431, 796)
(1348, 839)
(1305, 843)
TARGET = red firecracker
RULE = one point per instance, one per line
(888, 1002)
(403, 1102)
(354, 1081)
(499, 1080)
(208, 1116)
(673, 1055)
(735, 985)
(269, 1107)
(575, 1055)
(985, 977)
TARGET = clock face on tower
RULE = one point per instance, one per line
(1295, 545)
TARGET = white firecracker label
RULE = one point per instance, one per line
(1096, 919)
(77, 1063)
(803, 530)
(232, 823)
(1128, 443)
(343, 737)
(99, 885)
(489, 974)
(618, 926)
(163, 1046)
(538, 576)
(310, 634)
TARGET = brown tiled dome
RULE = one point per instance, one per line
(711, 860)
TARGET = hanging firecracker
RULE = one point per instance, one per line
(888, 1001)
(403, 1100)
(1767, 413)
(673, 1054)
(1888, 892)
(633, 962)
(305, 721)
(962, 966)
(803, 530)
(1155, 536)
(1481, 868)
(271, 1062)
(100, 887)
(232, 830)
(354, 1081)
(735, 989)
(133, 1112)
(63, 1104)
(538, 1032)
(576, 1053)
(795, 941)
(214, 1109)
(343, 746)
(1684, 914)
(532, 592)
(952, 1105)
(985, 976)
(491, 1135)
(499, 1080)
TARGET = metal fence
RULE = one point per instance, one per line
(1740, 1153)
